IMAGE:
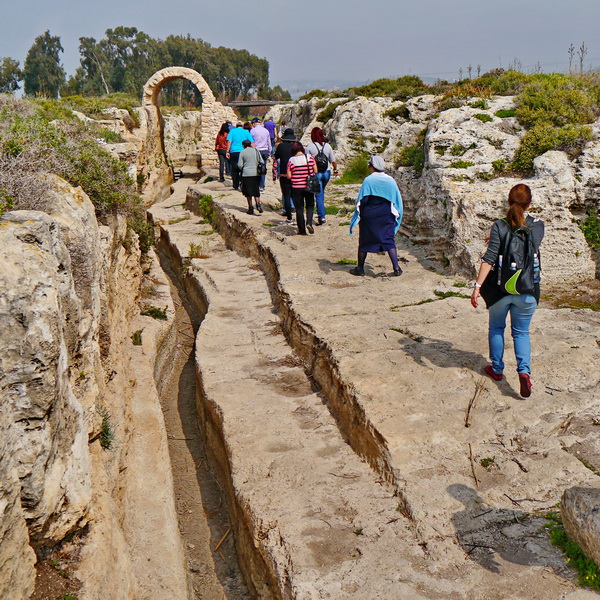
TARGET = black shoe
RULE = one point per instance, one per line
(357, 271)
(310, 228)
(259, 207)
(321, 222)
(397, 272)
(221, 181)
(236, 188)
(250, 211)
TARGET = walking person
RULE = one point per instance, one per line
(249, 163)
(221, 149)
(379, 214)
(499, 301)
(323, 154)
(262, 142)
(271, 127)
(283, 152)
(234, 146)
(299, 167)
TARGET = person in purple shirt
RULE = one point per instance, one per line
(262, 142)
(271, 127)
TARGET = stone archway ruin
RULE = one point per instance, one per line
(214, 114)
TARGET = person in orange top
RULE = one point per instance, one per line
(221, 149)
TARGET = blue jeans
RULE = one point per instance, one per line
(265, 154)
(521, 310)
(320, 196)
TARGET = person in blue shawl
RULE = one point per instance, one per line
(379, 212)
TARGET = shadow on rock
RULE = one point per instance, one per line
(487, 534)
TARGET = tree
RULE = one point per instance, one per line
(10, 75)
(43, 74)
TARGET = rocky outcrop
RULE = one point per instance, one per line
(69, 297)
(463, 187)
(182, 135)
(580, 509)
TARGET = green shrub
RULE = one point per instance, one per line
(332, 210)
(325, 115)
(315, 94)
(591, 228)
(110, 137)
(155, 313)
(555, 99)
(481, 103)
(397, 112)
(206, 206)
(587, 569)
(6, 202)
(503, 114)
(357, 170)
(107, 432)
(400, 88)
(499, 165)
(483, 117)
(136, 338)
(459, 149)
(461, 164)
(347, 261)
(411, 156)
(544, 137)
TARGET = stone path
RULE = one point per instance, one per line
(393, 377)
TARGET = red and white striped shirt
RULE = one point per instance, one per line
(299, 169)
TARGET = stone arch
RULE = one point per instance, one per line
(213, 112)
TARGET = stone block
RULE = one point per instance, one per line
(580, 508)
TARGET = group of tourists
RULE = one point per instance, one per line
(303, 173)
(509, 275)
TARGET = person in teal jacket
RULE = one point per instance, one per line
(378, 213)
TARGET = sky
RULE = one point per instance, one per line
(329, 43)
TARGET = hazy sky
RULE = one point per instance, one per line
(331, 40)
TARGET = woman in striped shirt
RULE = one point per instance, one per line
(300, 166)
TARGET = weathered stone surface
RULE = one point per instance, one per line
(580, 510)
(182, 135)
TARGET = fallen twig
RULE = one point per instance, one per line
(553, 388)
(479, 387)
(473, 466)
(344, 475)
(222, 540)
(521, 466)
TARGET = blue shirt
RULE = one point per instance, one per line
(236, 136)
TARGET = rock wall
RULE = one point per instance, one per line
(450, 207)
(69, 297)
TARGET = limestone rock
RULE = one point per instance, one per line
(580, 509)
(182, 134)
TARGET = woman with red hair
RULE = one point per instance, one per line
(499, 301)
(320, 149)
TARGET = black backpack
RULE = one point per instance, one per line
(321, 160)
(517, 269)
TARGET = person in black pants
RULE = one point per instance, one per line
(283, 152)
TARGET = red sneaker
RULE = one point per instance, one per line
(495, 376)
(525, 382)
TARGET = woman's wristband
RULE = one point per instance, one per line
(477, 285)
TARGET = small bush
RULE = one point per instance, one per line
(397, 112)
(440, 150)
(460, 150)
(136, 338)
(503, 114)
(544, 137)
(110, 136)
(591, 228)
(198, 250)
(107, 432)
(327, 113)
(206, 206)
(587, 569)
(154, 312)
(555, 99)
(481, 103)
(315, 94)
(400, 88)
(347, 261)
(461, 164)
(332, 210)
(484, 118)
(411, 156)
(499, 165)
(357, 170)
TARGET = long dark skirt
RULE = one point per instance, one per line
(376, 225)
(250, 187)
